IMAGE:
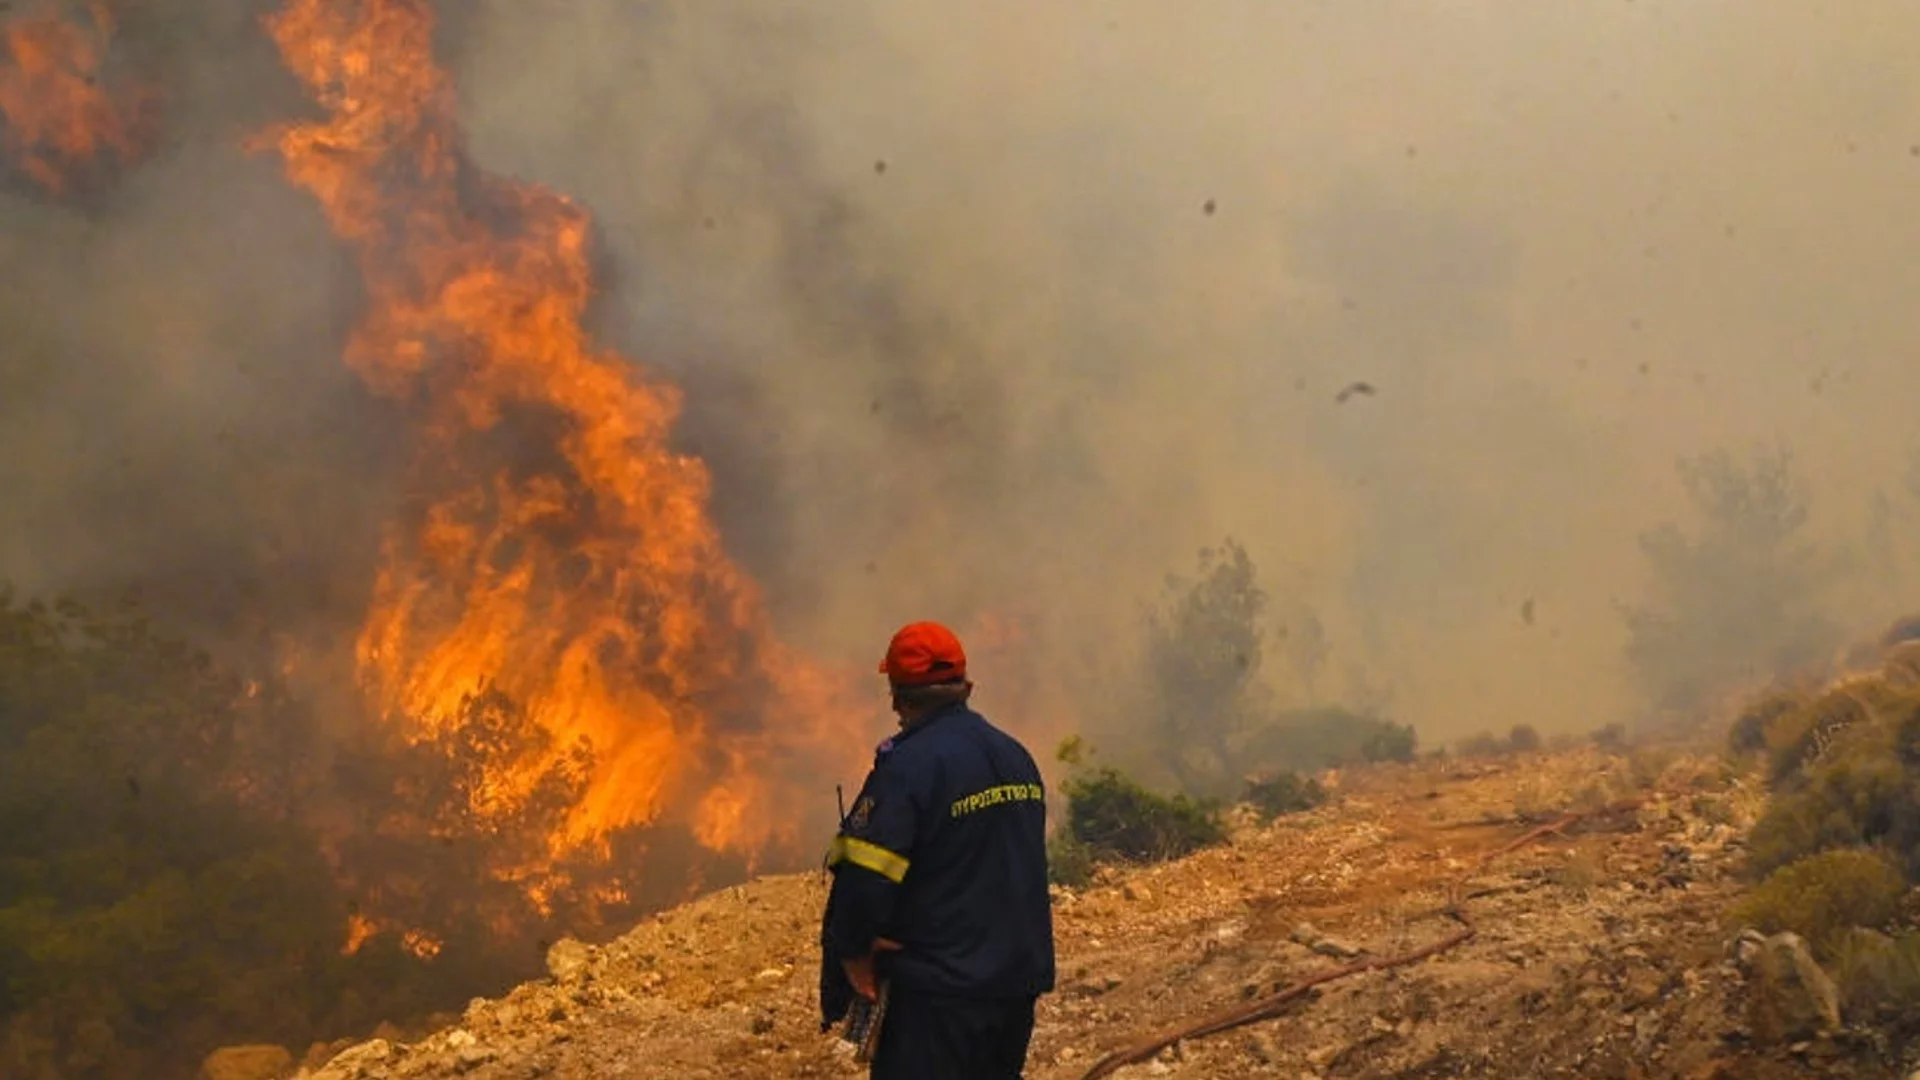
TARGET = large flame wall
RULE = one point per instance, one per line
(559, 551)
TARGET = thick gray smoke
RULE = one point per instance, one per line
(1001, 312)
(176, 421)
(1010, 312)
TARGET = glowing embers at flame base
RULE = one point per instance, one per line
(560, 556)
(63, 120)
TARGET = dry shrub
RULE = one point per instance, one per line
(1686, 773)
(1539, 798)
(1713, 809)
(1578, 874)
(1646, 765)
(1824, 897)
(1604, 790)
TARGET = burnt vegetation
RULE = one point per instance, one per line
(185, 855)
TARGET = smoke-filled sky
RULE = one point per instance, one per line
(961, 337)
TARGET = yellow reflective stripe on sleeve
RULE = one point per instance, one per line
(869, 856)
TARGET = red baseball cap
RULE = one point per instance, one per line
(922, 654)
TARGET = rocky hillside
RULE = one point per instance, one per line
(1601, 952)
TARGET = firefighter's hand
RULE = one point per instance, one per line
(860, 969)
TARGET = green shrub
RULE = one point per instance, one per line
(1523, 739)
(1797, 740)
(1612, 737)
(1906, 738)
(1390, 742)
(1879, 979)
(1069, 862)
(1482, 745)
(1825, 896)
(1116, 818)
(1326, 738)
(1794, 827)
(1748, 735)
(1285, 793)
(1858, 793)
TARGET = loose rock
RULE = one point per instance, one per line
(567, 959)
(1791, 997)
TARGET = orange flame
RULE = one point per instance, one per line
(421, 944)
(59, 116)
(359, 930)
(562, 554)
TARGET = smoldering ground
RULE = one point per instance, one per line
(1008, 314)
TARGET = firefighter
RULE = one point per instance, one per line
(940, 881)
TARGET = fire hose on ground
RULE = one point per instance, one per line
(1274, 1005)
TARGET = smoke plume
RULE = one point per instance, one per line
(997, 316)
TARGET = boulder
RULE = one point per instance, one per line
(567, 959)
(360, 1062)
(247, 1063)
(1790, 998)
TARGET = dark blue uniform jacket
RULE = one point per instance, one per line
(944, 851)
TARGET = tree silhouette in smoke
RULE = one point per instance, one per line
(1737, 599)
(1204, 653)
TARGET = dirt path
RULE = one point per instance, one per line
(1600, 953)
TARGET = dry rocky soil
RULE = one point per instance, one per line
(1602, 953)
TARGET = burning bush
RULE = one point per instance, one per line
(158, 889)
(186, 858)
